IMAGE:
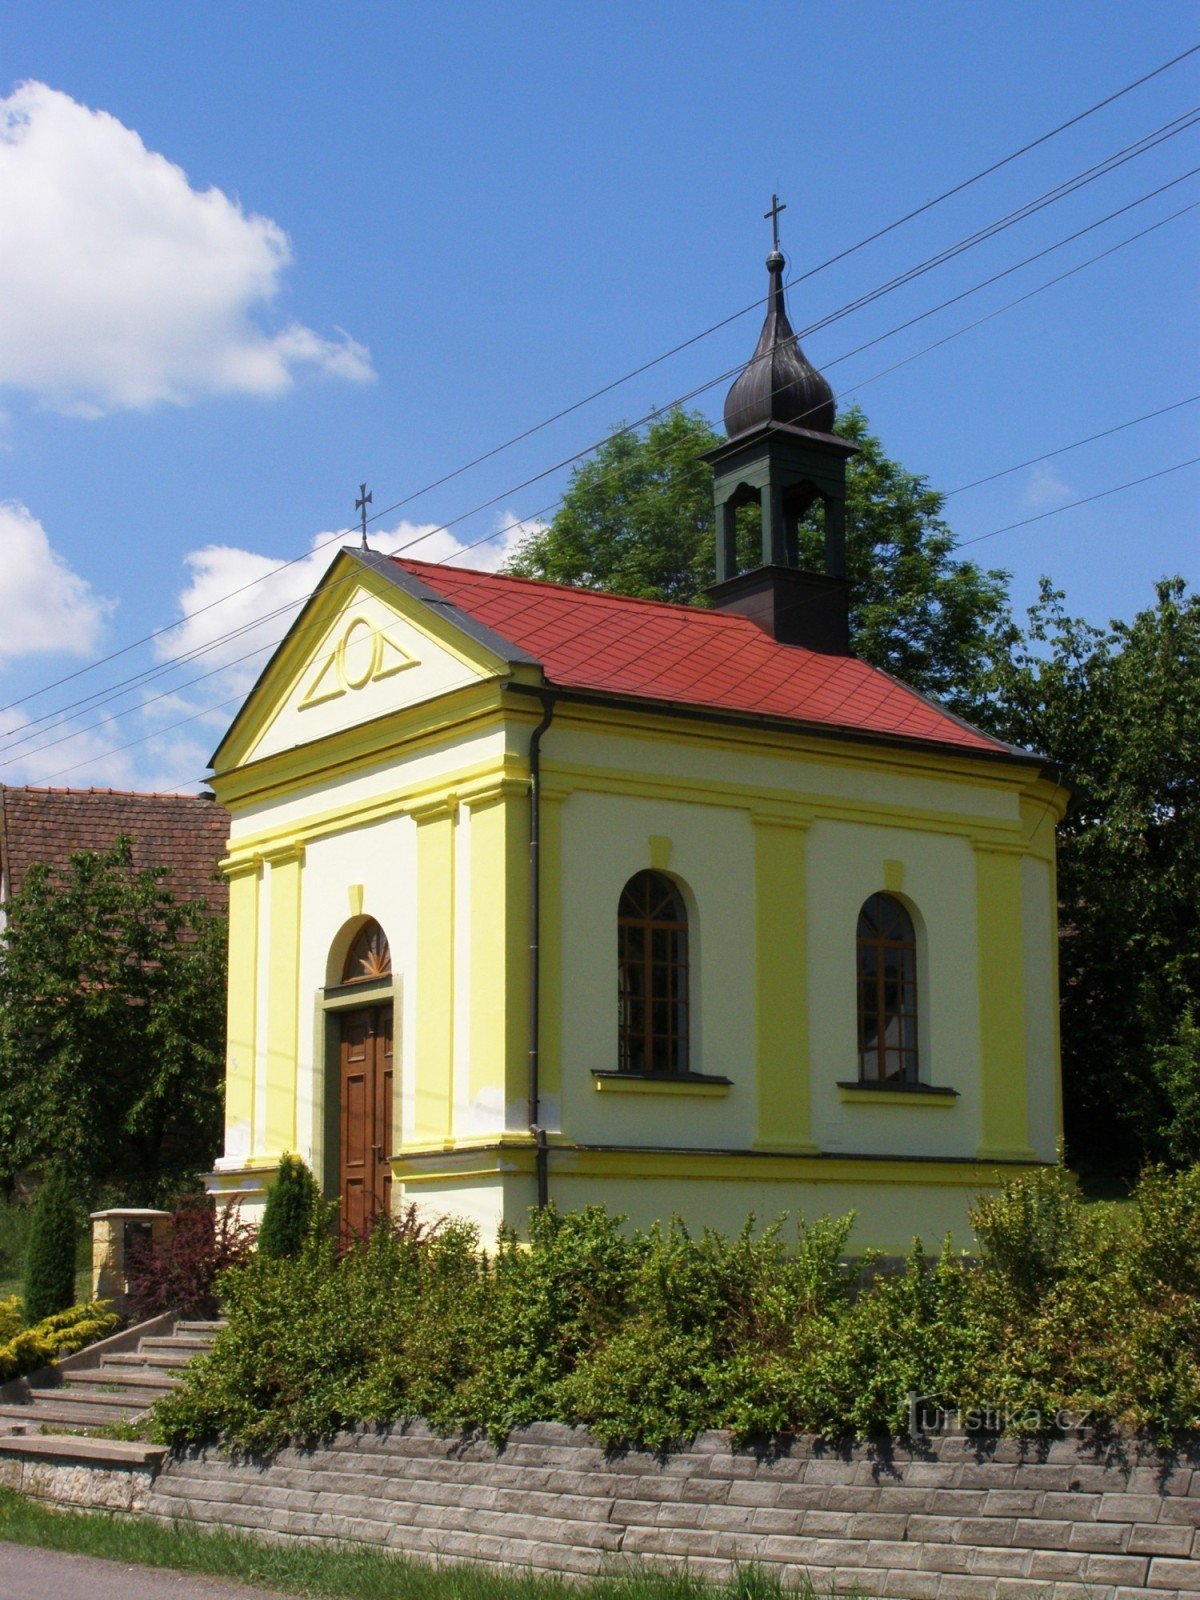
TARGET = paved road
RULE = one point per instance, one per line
(28, 1574)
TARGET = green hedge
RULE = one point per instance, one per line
(649, 1337)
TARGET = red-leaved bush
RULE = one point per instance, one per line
(180, 1274)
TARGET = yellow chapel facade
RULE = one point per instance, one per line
(539, 893)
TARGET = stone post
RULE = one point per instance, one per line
(113, 1233)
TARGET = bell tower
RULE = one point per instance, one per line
(781, 453)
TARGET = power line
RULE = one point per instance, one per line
(1105, 433)
(638, 371)
(1086, 501)
(30, 731)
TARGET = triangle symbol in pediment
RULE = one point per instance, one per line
(390, 657)
(326, 683)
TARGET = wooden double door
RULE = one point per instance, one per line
(365, 1120)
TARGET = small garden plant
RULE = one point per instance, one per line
(648, 1337)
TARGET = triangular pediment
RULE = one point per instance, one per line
(364, 646)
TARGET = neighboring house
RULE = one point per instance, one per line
(186, 833)
(537, 892)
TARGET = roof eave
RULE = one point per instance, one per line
(1005, 755)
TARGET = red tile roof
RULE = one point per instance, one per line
(711, 659)
(185, 833)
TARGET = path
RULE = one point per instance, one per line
(30, 1574)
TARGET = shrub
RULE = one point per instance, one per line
(50, 1255)
(649, 1337)
(292, 1205)
(56, 1336)
(180, 1273)
(12, 1317)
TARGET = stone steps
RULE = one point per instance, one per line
(105, 1386)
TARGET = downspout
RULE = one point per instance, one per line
(541, 1153)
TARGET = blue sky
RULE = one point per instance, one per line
(256, 254)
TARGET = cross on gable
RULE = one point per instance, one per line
(360, 505)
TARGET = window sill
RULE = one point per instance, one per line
(686, 1083)
(908, 1094)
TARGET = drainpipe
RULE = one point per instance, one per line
(541, 1152)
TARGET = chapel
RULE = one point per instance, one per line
(543, 894)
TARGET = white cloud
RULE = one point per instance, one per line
(236, 634)
(122, 286)
(164, 739)
(47, 608)
(1046, 488)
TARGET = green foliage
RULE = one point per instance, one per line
(51, 1338)
(50, 1254)
(112, 1010)
(12, 1317)
(638, 519)
(293, 1202)
(1119, 710)
(650, 1337)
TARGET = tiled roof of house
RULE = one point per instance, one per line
(684, 654)
(185, 833)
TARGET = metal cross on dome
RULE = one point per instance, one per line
(776, 208)
(360, 505)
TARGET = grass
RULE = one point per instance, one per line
(351, 1572)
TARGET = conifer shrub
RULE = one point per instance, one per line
(12, 1317)
(54, 1337)
(293, 1202)
(50, 1253)
(1066, 1314)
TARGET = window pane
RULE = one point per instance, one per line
(652, 977)
(886, 991)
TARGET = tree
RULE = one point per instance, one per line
(50, 1255)
(112, 1001)
(1119, 710)
(638, 519)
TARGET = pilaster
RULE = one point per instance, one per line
(781, 987)
(241, 1031)
(283, 998)
(433, 1065)
(1004, 1112)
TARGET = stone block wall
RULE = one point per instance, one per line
(958, 1521)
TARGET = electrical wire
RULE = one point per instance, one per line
(607, 388)
(31, 732)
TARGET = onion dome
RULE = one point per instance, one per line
(779, 384)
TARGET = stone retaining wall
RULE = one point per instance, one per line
(1068, 1522)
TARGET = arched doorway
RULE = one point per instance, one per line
(365, 1079)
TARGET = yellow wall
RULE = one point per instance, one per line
(775, 842)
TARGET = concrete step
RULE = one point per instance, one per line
(122, 1378)
(201, 1327)
(147, 1360)
(66, 1415)
(177, 1341)
(85, 1394)
(66, 1447)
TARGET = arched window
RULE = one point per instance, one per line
(887, 992)
(652, 948)
(369, 956)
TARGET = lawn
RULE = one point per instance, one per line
(351, 1572)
